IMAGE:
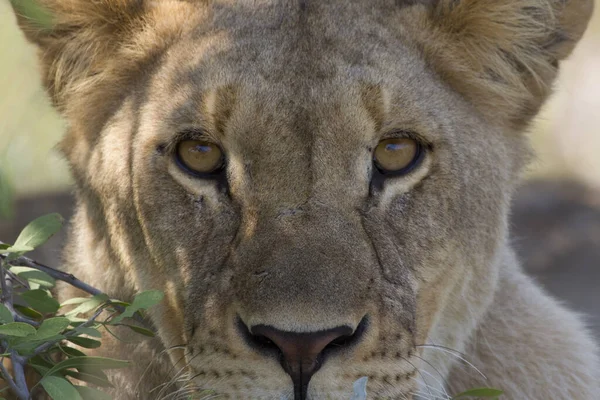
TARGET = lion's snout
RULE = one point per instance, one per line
(301, 354)
(305, 315)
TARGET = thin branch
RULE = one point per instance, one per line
(18, 384)
(6, 297)
(43, 347)
(16, 278)
(20, 318)
(66, 277)
(18, 364)
(8, 302)
(6, 278)
(9, 379)
(55, 273)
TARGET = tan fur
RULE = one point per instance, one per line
(301, 235)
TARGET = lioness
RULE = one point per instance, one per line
(320, 187)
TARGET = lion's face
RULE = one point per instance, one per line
(300, 231)
(299, 262)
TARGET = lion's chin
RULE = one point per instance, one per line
(356, 391)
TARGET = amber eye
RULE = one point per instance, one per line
(397, 155)
(199, 157)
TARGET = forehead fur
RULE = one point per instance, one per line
(501, 55)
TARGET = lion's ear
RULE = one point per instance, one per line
(76, 38)
(502, 54)
(86, 43)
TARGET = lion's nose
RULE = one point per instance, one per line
(302, 353)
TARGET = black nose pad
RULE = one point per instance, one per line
(302, 353)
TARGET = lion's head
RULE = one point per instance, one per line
(319, 187)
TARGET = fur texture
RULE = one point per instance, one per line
(301, 233)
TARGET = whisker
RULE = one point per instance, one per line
(440, 392)
(178, 377)
(428, 397)
(153, 361)
(418, 371)
(442, 383)
(427, 345)
(454, 353)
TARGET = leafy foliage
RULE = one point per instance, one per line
(35, 329)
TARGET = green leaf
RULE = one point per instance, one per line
(114, 302)
(84, 342)
(143, 300)
(39, 231)
(71, 352)
(90, 378)
(60, 389)
(5, 315)
(41, 365)
(140, 330)
(34, 275)
(18, 250)
(480, 392)
(76, 321)
(89, 331)
(29, 312)
(147, 299)
(26, 345)
(39, 300)
(88, 393)
(94, 371)
(75, 300)
(17, 329)
(88, 362)
(52, 326)
(90, 304)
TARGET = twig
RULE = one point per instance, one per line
(8, 378)
(20, 318)
(65, 277)
(6, 297)
(8, 302)
(16, 278)
(19, 385)
(18, 364)
(55, 273)
(43, 347)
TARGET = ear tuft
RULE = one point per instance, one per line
(78, 39)
(502, 55)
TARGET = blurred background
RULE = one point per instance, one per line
(556, 214)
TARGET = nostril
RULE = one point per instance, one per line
(260, 343)
(346, 341)
(264, 342)
(301, 353)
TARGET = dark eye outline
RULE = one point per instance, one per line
(415, 162)
(214, 174)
